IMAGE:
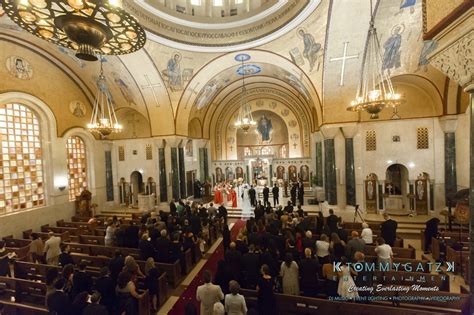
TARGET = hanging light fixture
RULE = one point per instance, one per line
(103, 120)
(90, 27)
(375, 91)
(244, 119)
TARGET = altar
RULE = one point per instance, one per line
(394, 202)
(146, 202)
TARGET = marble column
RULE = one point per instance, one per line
(174, 174)
(109, 179)
(449, 125)
(162, 175)
(349, 132)
(319, 164)
(182, 173)
(206, 164)
(330, 180)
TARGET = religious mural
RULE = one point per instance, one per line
(391, 57)
(174, 75)
(124, 89)
(19, 68)
(188, 149)
(77, 108)
(264, 127)
(312, 51)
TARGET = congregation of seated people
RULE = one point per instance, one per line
(285, 250)
(161, 237)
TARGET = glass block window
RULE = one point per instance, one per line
(21, 167)
(370, 140)
(247, 151)
(77, 166)
(148, 152)
(422, 138)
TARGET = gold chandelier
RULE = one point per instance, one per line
(375, 91)
(244, 119)
(103, 120)
(90, 27)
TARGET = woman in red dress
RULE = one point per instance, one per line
(234, 197)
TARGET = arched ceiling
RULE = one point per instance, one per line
(294, 66)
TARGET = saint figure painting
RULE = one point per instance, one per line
(264, 127)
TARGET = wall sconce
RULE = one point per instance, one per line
(60, 182)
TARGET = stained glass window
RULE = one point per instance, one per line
(21, 167)
(77, 166)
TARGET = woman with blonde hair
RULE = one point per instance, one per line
(151, 282)
(132, 267)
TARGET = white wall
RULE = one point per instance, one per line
(462, 151)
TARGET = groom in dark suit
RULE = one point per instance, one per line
(252, 195)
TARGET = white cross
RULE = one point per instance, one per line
(152, 87)
(344, 58)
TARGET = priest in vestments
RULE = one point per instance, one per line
(218, 195)
(233, 196)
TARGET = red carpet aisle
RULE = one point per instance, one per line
(189, 295)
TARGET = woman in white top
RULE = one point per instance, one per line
(234, 302)
(322, 249)
(367, 234)
(384, 252)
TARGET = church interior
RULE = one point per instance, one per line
(236, 156)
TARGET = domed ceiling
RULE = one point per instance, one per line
(218, 25)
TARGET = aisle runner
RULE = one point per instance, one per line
(189, 295)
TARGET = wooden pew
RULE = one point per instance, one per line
(288, 304)
(13, 308)
(20, 247)
(453, 255)
(173, 271)
(24, 291)
(35, 272)
(61, 229)
(438, 248)
(398, 252)
(92, 239)
(65, 237)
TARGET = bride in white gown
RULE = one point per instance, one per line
(247, 211)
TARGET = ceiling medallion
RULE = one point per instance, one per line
(90, 27)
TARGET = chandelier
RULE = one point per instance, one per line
(103, 119)
(244, 119)
(90, 27)
(375, 91)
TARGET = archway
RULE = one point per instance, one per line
(396, 187)
(136, 186)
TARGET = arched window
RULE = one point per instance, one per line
(77, 166)
(21, 167)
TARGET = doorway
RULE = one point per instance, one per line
(136, 186)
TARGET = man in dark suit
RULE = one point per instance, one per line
(131, 234)
(95, 307)
(58, 302)
(116, 265)
(309, 269)
(234, 258)
(106, 288)
(276, 195)
(331, 221)
(81, 281)
(251, 268)
(431, 230)
(146, 247)
(301, 193)
(222, 213)
(388, 230)
(293, 191)
(252, 195)
(266, 195)
(162, 246)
